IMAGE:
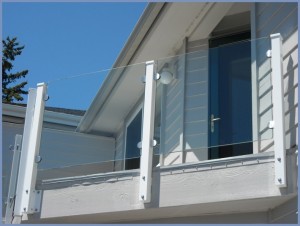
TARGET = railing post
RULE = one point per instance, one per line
(13, 180)
(278, 110)
(147, 135)
(26, 196)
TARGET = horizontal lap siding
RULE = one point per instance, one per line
(173, 117)
(119, 152)
(196, 101)
(290, 72)
(63, 148)
(277, 18)
(186, 109)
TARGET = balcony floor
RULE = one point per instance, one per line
(226, 186)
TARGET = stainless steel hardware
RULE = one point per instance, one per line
(212, 122)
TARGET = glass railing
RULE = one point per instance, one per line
(90, 130)
(210, 103)
(214, 103)
(7, 160)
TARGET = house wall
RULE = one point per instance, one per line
(196, 101)
(64, 153)
(61, 149)
(119, 152)
(270, 18)
(267, 18)
(184, 106)
(172, 111)
(184, 102)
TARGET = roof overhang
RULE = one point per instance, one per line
(159, 33)
(16, 111)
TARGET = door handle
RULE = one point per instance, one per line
(212, 122)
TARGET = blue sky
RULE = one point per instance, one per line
(66, 39)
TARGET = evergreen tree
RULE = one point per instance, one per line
(10, 90)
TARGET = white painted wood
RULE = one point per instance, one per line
(19, 209)
(179, 214)
(180, 187)
(28, 167)
(147, 135)
(278, 111)
(172, 112)
(277, 18)
(196, 101)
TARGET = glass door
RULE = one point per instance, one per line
(230, 120)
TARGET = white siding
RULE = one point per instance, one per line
(186, 107)
(196, 101)
(172, 113)
(281, 18)
(63, 148)
(119, 154)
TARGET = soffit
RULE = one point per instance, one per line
(174, 23)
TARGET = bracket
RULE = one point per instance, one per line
(271, 125)
(35, 202)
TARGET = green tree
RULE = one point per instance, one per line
(11, 90)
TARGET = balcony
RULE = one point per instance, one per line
(192, 134)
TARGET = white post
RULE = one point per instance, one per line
(13, 180)
(26, 194)
(278, 110)
(147, 135)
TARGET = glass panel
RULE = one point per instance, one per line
(85, 123)
(216, 104)
(210, 103)
(7, 157)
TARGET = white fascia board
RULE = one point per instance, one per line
(50, 116)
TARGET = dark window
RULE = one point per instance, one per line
(133, 137)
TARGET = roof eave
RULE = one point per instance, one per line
(49, 116)
(129, 50)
